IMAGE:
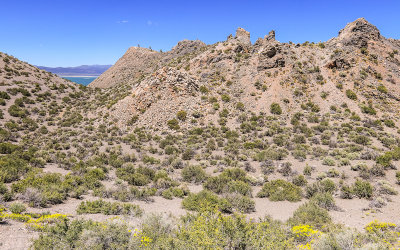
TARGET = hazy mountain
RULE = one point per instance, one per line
(83, 70)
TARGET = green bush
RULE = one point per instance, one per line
(329, 161)
(362, 189)
(275, 109)
(241, 203)
(206, 200)
(12, 168)
(280, 190)
(299, 180)
(239, 187)
(17, 111)
(368, 110)
(135, 176)
(351, 95)
(324, 200)
(219, 184)
(382, 89)
(205, 230)
(173, 124)
(108, 208)
(324, 186)
(194, 174)
(181, 115)
(385, 160)
(225, 98)
(311, 214)
(17, 208)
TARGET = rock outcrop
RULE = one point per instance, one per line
(358, 33)
(192, 73)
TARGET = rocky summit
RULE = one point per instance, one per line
(233, 145)
(358, 59)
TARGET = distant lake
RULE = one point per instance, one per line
(80, 80)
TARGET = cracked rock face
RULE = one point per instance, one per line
(358, 33)
(243, 36)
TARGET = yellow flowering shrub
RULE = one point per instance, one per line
(305, 235)
(389, 233)
(33, 221)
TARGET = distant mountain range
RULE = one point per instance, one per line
(83, 70)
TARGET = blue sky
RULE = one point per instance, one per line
(72, 33)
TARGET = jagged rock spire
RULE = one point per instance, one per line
(358, 33)
(243, 36)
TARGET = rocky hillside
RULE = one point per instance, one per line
(359, 68)
(138, 62)
(305, 136)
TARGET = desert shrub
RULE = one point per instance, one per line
(206, 200)
(108, 208)
(280, 190)
(181, 115)
(307, 170)
(188, 154)
(17, 111)
(299, 180)
(389, 123)
(368, 110)
(382, 89)
(5, 194)
(324, 200)
(54, 188)
(385, 160)
(239, 187)
(135, 176)
(174, 192)
(17, 208)
(12, 168)
(346, 192)
(219, 184)
(311, 214)
(4, 95)
(267, 167)
(351, 95)
(285, 169)
(362, 189)
(33, 197)
(329, 161)
(194, 174)
(241, 203)
(361, 139)
(225, 98)
(384, 235)
(275, 108)
(386, 188)
(240, 106)
(86, 234)
(332, 173)
(173, 124)
(8, 148)
(324, 186)
(271, 153)
(169, 150)
(398, 177)
(377, 170)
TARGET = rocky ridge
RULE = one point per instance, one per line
(268, 71)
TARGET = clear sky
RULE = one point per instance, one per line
(76, 32)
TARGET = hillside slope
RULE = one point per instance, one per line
(302, 138)
(359, 60)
